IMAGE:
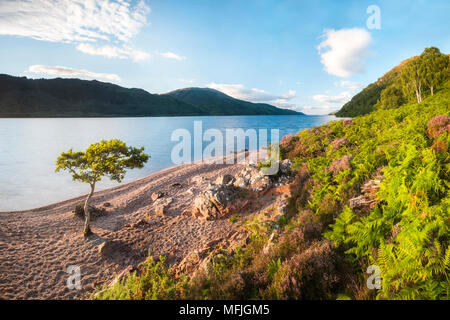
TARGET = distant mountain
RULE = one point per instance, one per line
(217, 103)
(23, 97)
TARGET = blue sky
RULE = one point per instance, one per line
(310, 56)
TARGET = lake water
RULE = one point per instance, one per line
(29, 148)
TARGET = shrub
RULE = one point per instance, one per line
(309, 274)
(438, 125)
(155, 282)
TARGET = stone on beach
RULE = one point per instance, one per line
(161, 206)
(104, 248)
(157, 195)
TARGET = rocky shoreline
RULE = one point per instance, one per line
(184, 213)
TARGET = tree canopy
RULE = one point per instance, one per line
(102, 159)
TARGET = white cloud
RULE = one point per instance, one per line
(113, 52)
(78, 21)
(239, 91)
(317, 110)
(343, 51)
(72, 20)
(186, 80)
(66, 71)
(171, 55)
(341, 98)
(353, 86)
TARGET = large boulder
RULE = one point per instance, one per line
(254, 179)
(215, 202)
(224, 195)
(285, 168)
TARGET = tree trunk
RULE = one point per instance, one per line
(420, 92)
(87, 223)
(432, 90)
(418, 88)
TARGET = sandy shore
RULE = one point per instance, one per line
(37, 246)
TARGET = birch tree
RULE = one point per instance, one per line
(413, 76)
(436, 67)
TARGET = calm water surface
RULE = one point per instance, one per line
(29, 148)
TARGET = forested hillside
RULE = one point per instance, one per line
(24, 98)
(394, 88)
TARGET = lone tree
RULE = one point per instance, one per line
(105, 158)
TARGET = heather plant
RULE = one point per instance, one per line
(309, 274)
(438, 125)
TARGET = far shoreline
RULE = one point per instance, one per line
(174, 116)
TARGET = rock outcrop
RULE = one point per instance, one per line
(367, 201)
(227, 193)
(215, 202)
(255, 180)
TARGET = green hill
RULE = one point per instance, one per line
(394, 88)
(217, 103)
(365, 101)
(23, 97)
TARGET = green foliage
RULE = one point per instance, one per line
(105, 158)
(273, 267)
(436, 67)
(234, 218)
(154, 283)
(391, 97)
(407, 234)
